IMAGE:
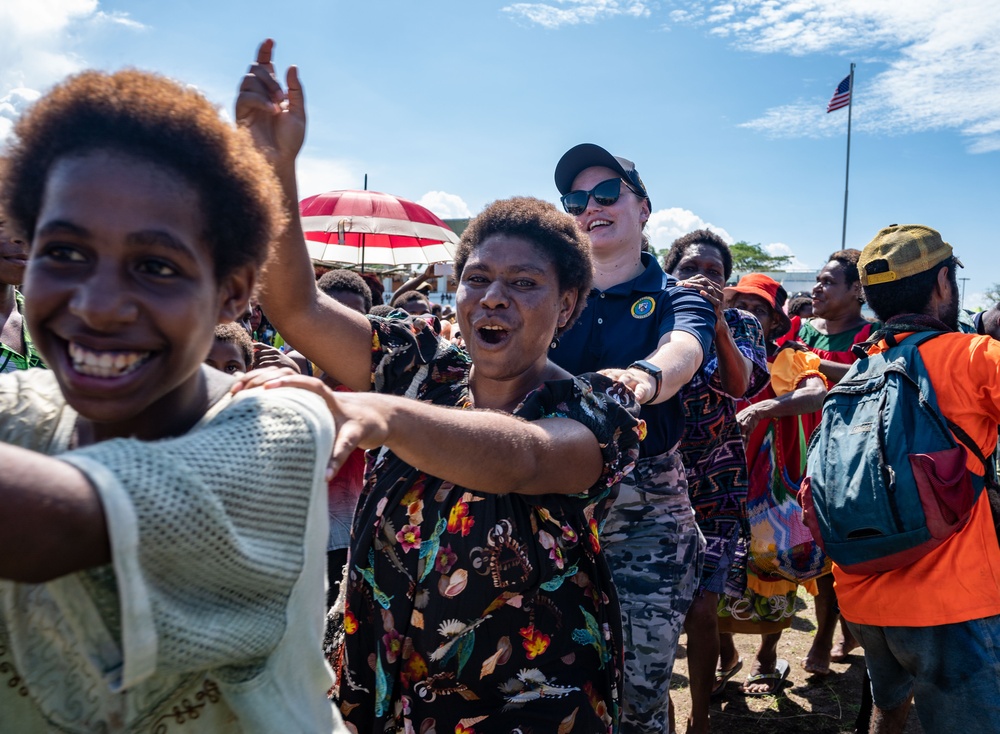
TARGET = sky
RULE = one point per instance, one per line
(722, 105)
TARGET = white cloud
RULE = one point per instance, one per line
(12, 105)
(574, 12)
(941, 59)
(316, 175)
(118, 18)
(666, 225)
(975, 300)
(779, 249)
(37, 38)
(985, 145)
(445, 205)
(800, 120)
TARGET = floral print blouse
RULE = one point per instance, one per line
(471, 612)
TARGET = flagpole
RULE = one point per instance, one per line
(847, 173)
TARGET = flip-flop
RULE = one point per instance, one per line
(722, 677)
(778, 677)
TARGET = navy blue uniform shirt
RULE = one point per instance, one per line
(625, 323)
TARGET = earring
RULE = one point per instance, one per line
(555, 343)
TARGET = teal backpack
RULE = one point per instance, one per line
(886, 480)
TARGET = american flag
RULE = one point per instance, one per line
(842, 96)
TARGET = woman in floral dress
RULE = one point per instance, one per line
(477, 598)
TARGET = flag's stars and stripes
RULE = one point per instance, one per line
(842, 96)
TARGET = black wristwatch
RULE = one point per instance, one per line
(650, 369)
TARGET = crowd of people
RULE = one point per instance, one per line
(243, 495)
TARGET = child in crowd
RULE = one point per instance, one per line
(16, 350)
(414, 303)
(344, 488)
(232, 350)
(162, 541)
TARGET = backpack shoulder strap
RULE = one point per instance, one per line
(989, 467)
(920, 337)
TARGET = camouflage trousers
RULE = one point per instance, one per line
(655, 551)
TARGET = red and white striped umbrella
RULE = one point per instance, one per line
(360, 227)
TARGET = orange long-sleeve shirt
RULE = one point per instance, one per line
(960, 579)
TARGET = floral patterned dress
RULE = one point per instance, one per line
(473, 612)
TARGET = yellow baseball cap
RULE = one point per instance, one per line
(907, 249)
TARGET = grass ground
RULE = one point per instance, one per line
(818, 705)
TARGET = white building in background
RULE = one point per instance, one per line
(795, 281)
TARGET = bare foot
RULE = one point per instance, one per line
(844, 646)
(817, 661)
(814, 665)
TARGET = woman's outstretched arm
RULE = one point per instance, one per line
(483, 450)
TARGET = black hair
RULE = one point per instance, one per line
(907, 295)
(376, 288)
(157, 120)
(796, 304)
(345, 280)
(233, 333)
(849, 259)
(698, 237)
(554, 233)
(408, 297)
(384, 310)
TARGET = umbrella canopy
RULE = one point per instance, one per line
(369, 227)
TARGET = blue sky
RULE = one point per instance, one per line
(721, 105)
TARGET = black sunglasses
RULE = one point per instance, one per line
(605, 193)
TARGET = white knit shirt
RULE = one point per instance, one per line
(210, 617)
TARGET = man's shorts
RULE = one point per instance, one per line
(952, 670)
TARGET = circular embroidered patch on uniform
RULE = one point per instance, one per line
(643, 307)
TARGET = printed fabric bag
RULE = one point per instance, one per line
(780, 543)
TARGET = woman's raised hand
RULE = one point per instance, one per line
(275, 117)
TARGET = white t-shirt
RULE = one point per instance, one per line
(210, 616)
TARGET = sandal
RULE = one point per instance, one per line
(774, 679)
(722, 677)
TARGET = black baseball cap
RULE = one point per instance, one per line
(588, 155)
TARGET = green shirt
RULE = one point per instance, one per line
(11, 360)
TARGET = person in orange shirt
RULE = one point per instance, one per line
(931, 630)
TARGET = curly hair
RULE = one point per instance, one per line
(409, 296)
(155, 119)
(698, 237)
(345, 280)
(797, 303)
(233, 333)
(556, 235)
(849, 260)
(375, 287)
